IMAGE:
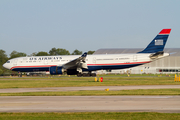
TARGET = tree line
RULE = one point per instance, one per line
(54, 51)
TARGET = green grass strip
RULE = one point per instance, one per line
(91, 116)
(99, 93)
(77, 82)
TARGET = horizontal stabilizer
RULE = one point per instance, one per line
(156, 55)
(172, 53)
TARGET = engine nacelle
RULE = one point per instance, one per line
(55, 70)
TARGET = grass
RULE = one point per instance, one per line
(86, 81)
(91, 116)
(98, 93)
(109, 80)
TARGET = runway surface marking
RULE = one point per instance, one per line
(15, 90)
(167, 104)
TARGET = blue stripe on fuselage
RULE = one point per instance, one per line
(31, 69)
(105, 67)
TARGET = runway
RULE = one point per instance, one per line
(168, 104)
(15, 90)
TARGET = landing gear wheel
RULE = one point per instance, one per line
(79, 74)
(84, 74)
(88, 74)
(93, 74)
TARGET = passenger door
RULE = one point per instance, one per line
(135, 58)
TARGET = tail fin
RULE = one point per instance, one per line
(158, 43)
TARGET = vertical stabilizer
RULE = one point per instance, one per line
(158, 43)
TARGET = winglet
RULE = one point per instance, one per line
(84, 54)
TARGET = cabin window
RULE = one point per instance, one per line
(8, 61)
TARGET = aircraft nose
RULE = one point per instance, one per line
(5, 66)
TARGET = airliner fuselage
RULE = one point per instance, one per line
(94, 62)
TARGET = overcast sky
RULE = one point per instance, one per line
(38, 25)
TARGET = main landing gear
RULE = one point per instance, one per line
(19, 74)
(89, 74)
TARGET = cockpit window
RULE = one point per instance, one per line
(8, 61)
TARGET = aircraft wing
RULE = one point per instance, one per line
(77, 63)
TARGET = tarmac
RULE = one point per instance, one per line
(165, 104)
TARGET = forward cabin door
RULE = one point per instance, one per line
(134, 58)
(15, 62)
(94, 60)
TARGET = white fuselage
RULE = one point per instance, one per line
(94, 62)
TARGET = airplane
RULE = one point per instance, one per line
(85, 65)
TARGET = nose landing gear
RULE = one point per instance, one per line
(19, 74)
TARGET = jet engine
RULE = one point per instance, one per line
(55, 70)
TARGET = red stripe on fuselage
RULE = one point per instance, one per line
(32, 66)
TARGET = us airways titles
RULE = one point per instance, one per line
(45, 58)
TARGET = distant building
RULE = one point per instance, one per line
(169, 65)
